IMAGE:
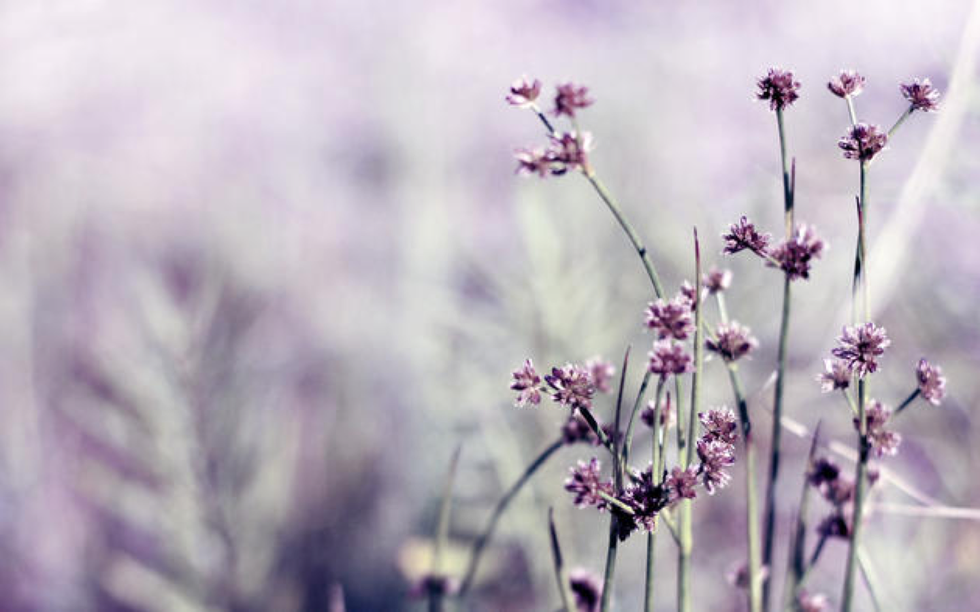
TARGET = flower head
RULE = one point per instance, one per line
(921, 95)
(601, 372)
(779, 87)
(860, 347)
(569, 151)
(743, 235)
(732, 341)
(571, 97)
(526, 381)
(571, 386)
(883, 442)
(863, 141)
(836, 375)
(587, 590)
(796, 254)
(716, 281)
(719, 424)
(523, 92)
(822, 472)
(689, 294)
(576, 430)
(847, 83)
(932, 383)
(670, 319)
(681, 483)
(835, 525)
(533, 161)
(668, 357)
(667, 416)
(647, 499)
(585, 481)
(715, 456)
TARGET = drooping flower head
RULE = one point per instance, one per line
(716, 281)
(836, 375)
(670, 319)
(796, 254)
(861, 346)
(569, 151)
(883, 441)
(587, 590)
(779, 87)
(586, 483)
(719, 424)
(731, 341)
(715, 456)
(601, 372)
(681, 483)
(932, 383)
(524, 92)
(669, 357)
(533, 161)
(571, 386)
(743, 235)
(527, 382)
(847, 84)
(570, 98)
(863, 141)
(921, 95)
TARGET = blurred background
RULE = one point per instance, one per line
(264, 264)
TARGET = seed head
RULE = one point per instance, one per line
(716, 281)
(569, 151)
(715, 456)
(587, 590)
(719, 424)
(533, 161)
(681, 483)
(883, 442)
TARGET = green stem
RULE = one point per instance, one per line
(561, 574)
(752, 525)
(860, 486)
(498, 511)
(655, 475)
(442, 532)
(850, 110)
(607, 581)
(797, 562)
(908, 113)
(636, 408)
(908, 400)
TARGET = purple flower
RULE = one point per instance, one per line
(779, 87)
(587, 590)
(743, 235)
(523, 92)
(569, 151)
(836, 375)
(848, 83)
(715, 456)
(815, 602)
(835, 525)
(671, 319)
(533, 161)
(883, 442)
(601, 372)
(863, 141)
(719, 424)
(571, 386)
(585, 481)
(667, 417)
(668, 357)
(526, 380)
(576, 430)
(932, 383)
(571, 97)
(822, 472)
(716, 281)
(795, 255)
(921, 95)
(680, 484)
(732, 341)
(689, 294)
(860, 347)
(646, 499)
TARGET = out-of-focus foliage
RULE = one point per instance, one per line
(262, 265)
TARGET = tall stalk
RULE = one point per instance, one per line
(752, 501)
(655, 475)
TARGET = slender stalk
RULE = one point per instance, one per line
(908, 400)
(752, 525)
(481, 542)
(870, 581)
(442, 534)
(607, 581)
(860, 486)
(908, 113)
(636, 408)
(850, 110)
(655, 475)
(561, 574)
(796, 565)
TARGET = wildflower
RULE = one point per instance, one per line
(667, 417)
(523, 93)
(732, 341)
(668, 357)
(601, 372)
(533, 161)
(716, 281)
(835, 525)
(743, 235)
(715, 456)
(719, 424)
(807, 602)
(863, 141)
(586, 483)
(576, 430)
(932, 383)
(434, 584)
(794, 255)
(646, 498)
(921, 95)
(779, 87)
(836, 375)
(848, 83)
(861, 346)
(671, 319)
(569, 151)
(680, 484)
(883, 441)
(839, 491)
(689, 294)
(587, 590)
(526, 380)
(572, 386)
(822, 472)
(571, 97)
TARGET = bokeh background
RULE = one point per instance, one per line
(264, 264)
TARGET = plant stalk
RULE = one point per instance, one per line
(751, 523)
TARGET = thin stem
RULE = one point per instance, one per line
(850, 109)
(607, 581)
(908, 113)
(655, 472)
(612, 500)
(752, 525)
(787, 188)
(561, 574)
(850, 402)
(498, 511)
(442, 532)
(594, 426)
(797, 564)
(619, 463)
(859, 495)
(543, 118)
(908, 400)
(867, 572)
(636, 408)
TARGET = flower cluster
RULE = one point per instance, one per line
(921, 95)
(779, 87)
(863, 141)
(526, 382)
(882, 441)
(931, 382)
(825, 476)
(794, 255)
(731, 341)
(571, 385)
(743, 235)
(847, 84)
(716, 448)
(568, 150)
(860, 346)
(716, 281)
(571, 97)
(586, 483)
(669, 357)
(671, 319)
(836, 375)
(524, 93)
(587, 590)
(668, 418)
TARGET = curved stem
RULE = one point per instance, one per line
(498, 511)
